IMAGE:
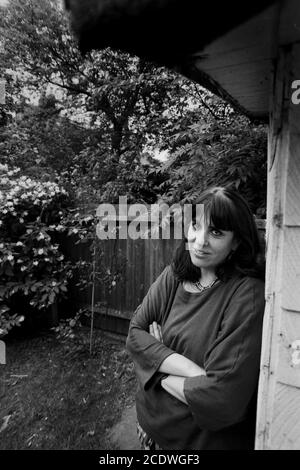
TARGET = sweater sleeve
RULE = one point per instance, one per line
(221, 398)
(148, 353)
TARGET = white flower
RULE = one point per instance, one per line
(10, 257)
(53, 283)
(4, 211)
(23, 268)
(19, 244)
(35, 263)
(1, 245)
(41, 236)
(21, 220)
(40, 251)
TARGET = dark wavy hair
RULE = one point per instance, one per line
(225, 209)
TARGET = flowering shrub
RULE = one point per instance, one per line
(65, 329)
(33, 272)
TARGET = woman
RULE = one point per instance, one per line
(195, 340)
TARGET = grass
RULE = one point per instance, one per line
(54, 395)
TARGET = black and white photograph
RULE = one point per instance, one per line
(149, 229)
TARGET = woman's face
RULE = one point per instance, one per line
(208, 246)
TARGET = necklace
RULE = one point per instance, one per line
(201, 288)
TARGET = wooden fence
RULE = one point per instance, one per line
(145, 259)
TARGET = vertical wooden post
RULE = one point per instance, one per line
(278, 413)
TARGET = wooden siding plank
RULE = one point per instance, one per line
(236, 57)
(274, 239)
(285, 425)
(288, 369)
(292, 200)
(291, 269)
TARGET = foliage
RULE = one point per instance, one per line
(40, 141)
(99, 113)
(242, 163)
(123, 96)
(227, 152)
(33, 271)
(116, 104)
(67, 326)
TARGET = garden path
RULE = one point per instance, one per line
(123, 435)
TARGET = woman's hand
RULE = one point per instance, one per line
(155, 330)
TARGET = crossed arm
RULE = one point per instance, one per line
(177, 366)
(220, 397)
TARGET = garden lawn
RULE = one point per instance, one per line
(54, 395)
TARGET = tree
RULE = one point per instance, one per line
(117, 92)
(226, 152)
(117, 105)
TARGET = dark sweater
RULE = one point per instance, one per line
(220, 330)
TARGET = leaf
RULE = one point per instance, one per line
(5, 422)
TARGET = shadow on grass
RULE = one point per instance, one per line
(54, 395)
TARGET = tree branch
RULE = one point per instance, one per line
(206, 105)
(70, 88)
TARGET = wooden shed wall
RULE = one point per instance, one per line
(278, 419)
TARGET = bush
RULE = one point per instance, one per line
(33, 272)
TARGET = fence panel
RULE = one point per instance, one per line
(145, 260)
